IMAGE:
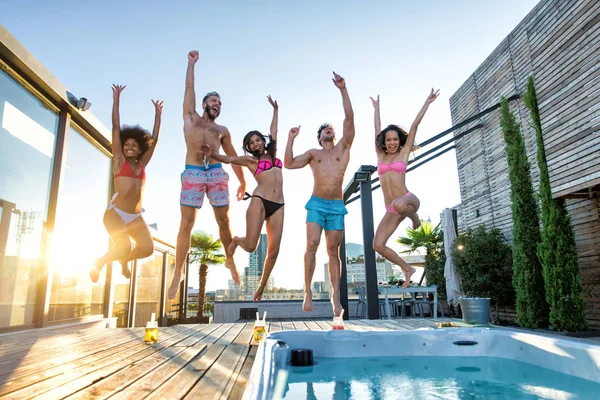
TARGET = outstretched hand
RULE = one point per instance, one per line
(206, 149)
(338, 81)
(273, 102)
(375, 102)
(241, 192)
(158, 106)
(294, 132)
(193, 56)
(432, 96)
(117, 89)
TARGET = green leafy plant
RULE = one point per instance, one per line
(557, 249)
(528, 280)
(484, 263)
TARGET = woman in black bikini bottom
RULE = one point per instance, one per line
(266, 202)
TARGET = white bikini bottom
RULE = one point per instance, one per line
(125, 216)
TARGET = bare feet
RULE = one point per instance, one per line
(230, 265)
(407, 276)
(259, 292)
(337, 307)
(95, 271)
(416, 222)
(174, 285)
(125, 269)
(232, 247)
(307, 303)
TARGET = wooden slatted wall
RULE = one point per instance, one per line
(559, 44)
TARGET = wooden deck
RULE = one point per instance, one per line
(189, 361)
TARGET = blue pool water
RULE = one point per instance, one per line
(428, 378)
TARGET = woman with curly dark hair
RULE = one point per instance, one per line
(393, 146)
(266, 204)
(132, 149)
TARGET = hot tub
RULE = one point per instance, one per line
(448, 363)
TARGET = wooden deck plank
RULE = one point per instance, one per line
(352, 326)
(245, 338)
(367, 325)
(274, 326)
(299, 325)
(196, 344)
(65, 385)
(288, 326)
(214, 381)
(29, 377)
(324, 325)
(240, 384)
(39, 358)
(55, 377)
(183, 381)
(76, 355)
(50, 339)
(313, 326)
(117, 382)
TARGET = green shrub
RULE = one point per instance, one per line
(556, 249)
(484, 263)
(528, 280)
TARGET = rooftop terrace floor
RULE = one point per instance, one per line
(189, 361)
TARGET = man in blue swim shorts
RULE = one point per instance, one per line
(203, 176)
(325, 209)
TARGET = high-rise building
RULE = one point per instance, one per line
(254, 270)
(356, 272)
(327, 285)
(318, 286)
(354, 250)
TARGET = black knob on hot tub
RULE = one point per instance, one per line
(302, 357)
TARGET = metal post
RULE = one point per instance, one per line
(132, 294)
(163, 290)
(44, 287)
(366, 206)
(344, 277)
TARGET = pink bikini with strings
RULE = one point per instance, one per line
(396, 166)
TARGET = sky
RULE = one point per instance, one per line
(398, 49)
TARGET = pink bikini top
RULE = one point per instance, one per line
(265, 165)
(127, 170)
(396, 166)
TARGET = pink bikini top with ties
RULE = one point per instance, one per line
(396, 166)
(265, 165)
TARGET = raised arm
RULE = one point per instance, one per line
(410, 140)
(117, 146)
(377, 116)
(158, 106)
(348, 136)
(189, 98)
(273, 130)
(244, 161)
(289, 161)
(230, 151)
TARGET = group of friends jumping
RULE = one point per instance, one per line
(204, 176)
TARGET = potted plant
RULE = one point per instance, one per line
(484, 263)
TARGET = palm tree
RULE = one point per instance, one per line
(432, 239)
(427, 236)
(206, 251)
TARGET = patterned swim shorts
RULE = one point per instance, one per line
(197, 180)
